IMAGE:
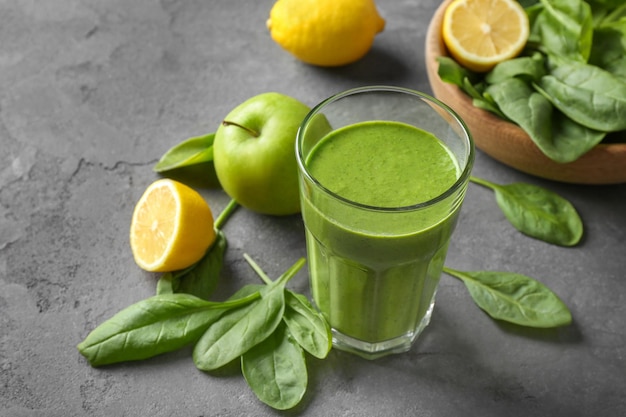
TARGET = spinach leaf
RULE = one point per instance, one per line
(203, 279)
(192, 151)
(514, 298)
(451, 72)
(239, 330)
(247, 290)
(489, 105)
(482, 99)
(518, 101)
(537, 212)
(558, 137)
(609, 48)
(156, 325)
(533, 11)
(565, 28)
(275, 370)
(617, 7)
(528, 68)
(307, 325)
(587, 94)
(569, 140)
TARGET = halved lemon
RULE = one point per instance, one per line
(171, 228)
(479, 34)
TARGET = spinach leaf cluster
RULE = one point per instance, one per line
(567, 89)
(267, 327)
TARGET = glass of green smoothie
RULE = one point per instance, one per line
(383, 173)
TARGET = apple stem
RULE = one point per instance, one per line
(252, 132)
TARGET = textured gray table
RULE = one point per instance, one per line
(93, 92)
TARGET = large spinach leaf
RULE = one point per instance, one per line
(558, 137)
(587, 94)
(159, 324)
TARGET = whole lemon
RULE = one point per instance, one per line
(326, 33)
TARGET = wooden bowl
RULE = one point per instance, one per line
(507, 142)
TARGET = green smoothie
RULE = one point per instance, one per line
(375, 269)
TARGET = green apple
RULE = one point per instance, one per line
(254, 153)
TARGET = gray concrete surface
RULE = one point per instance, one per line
(93, 92)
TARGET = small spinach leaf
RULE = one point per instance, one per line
(192, 151)
(307, 325)
(482, 99)
(537, 212)
(239, 330)
(528, 68)
(275, 370)
(565, 28)
(514, 298)
(451, 72)
(202, 280)
(609, 48)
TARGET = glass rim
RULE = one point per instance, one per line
(459, 183)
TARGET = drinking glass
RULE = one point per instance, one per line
(374, 269)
